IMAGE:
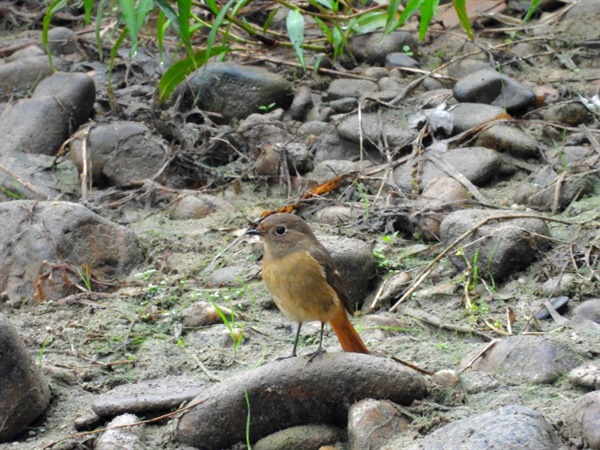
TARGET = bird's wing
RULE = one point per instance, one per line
(322, 256)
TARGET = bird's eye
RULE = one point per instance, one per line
(280, 230)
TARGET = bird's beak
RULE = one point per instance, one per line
(253, 232)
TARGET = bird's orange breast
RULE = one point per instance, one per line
(299, 287)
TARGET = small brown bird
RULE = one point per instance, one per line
(303, 280)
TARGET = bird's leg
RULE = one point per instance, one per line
(296, 340)
(320, 350)
(293, 355)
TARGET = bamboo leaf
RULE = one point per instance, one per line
(427, 12)
(390, 21)
(371, 21)
(295, 29)
(461, 12)
(411, 7)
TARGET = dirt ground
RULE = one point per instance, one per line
(92, 346)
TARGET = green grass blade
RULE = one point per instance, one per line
(114, 50)
(180, 20)
(534, 5)
(55, 6)
(295, 28)
(143, 9)
(170, 13)
(87, 7)
(238, 6)
(128, 13)
(161, 26)
(216, 24)
(270, 18)
(178, 71)
(325, 29)
(411, 7)
(338, 41)
(461, 12)
(224, 319)
(213, 6)
(390, 21)
(184, 8)
(98, 27)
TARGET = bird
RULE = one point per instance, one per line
(302, 278)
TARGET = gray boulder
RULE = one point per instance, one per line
(526, 359)
(504, 246)
(506, 427)
(51, 246)
(42, 123)
(121, 152)
(234, 91)
(24, 394)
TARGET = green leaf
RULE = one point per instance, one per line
(371, 21)
(427, 12)
(178, 71)
(338, 41)
(327, 4)
(325, 29)
(295, 28)
(461, 12)
(534, 5)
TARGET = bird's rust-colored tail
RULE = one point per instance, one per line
(347, 335)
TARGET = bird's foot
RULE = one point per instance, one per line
(314, 355)
(281, 358)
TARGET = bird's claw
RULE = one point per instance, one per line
(312, 356)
